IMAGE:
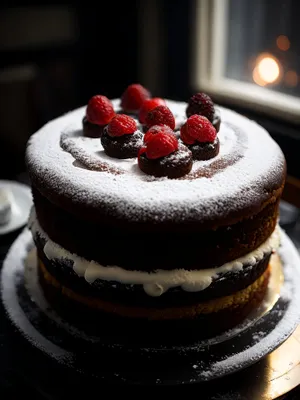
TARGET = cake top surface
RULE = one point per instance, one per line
(67, 166)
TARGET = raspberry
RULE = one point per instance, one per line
(160, 115)
(157, 129)
(133, 97)
(148, 105)
(121, 125)
(99, 110)
(142, 150)
(197, 129)
(201, 104)
(161, 145)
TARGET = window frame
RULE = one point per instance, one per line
(209, 67)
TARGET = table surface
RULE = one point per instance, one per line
(19, 372)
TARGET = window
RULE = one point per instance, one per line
(248, 51)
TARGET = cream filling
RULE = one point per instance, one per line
(157, 282)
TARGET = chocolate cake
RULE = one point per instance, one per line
(120, 243)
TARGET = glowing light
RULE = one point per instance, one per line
(257, 78)
(267, 70)
(283, 43)
(291, 78)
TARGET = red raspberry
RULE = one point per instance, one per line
(148, 105)
(142, 150)
(160, 115)
(161, 145)
(157, 129)
(197, 129)
(121, 125)
(99, 110)
(133, 97)
(201, 104)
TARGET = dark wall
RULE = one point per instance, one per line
(41, 81)
(107, 52)
(179, 20)
(108, 48)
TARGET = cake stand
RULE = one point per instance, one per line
(264, 351)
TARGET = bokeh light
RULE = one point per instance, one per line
(257, 78)
(267, 70)
(291, 78)
(283, 43)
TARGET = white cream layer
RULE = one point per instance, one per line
(154, 283)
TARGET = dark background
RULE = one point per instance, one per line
(95, 49)
(55, 56)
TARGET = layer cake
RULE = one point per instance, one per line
(141, 250)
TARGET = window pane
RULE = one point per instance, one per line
(263, 43)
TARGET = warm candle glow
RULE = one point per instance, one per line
(283, 42)
(267, 70)
(257, 78)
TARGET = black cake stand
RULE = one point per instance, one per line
(259, 359)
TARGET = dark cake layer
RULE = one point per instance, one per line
(225, 284)
(198, 320)
(144, 250)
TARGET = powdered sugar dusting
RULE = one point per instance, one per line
(12, 267)
(288, 320)
(254, 160)
(210, 362)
